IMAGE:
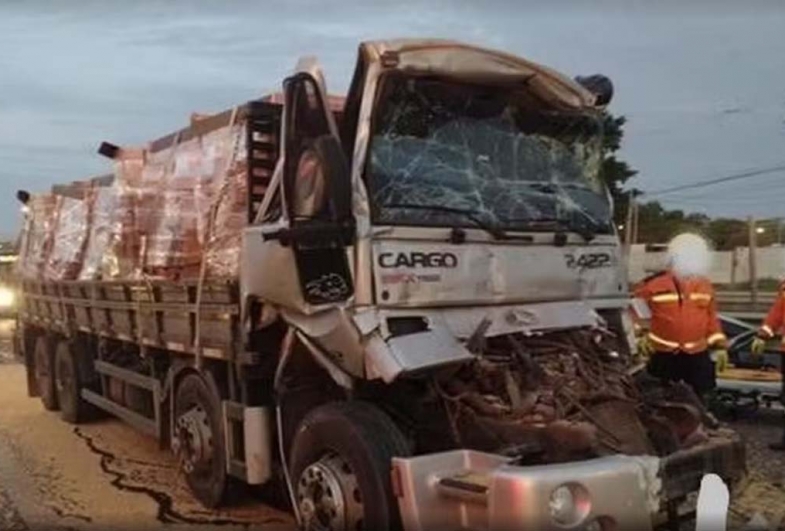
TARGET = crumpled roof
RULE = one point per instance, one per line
(436, 56)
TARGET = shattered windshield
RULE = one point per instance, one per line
(442, 149)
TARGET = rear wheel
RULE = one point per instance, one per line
(199, 439)
(340, 463)
(44, 372)
(68, 384)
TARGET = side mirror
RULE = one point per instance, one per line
(322, 187)
(320, 197)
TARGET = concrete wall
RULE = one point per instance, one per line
(727, 267)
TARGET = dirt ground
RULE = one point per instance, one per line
(98, 477)
(764, 491)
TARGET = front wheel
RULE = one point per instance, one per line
(340, 468)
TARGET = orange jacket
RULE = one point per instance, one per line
(775, 320)
(683, 313)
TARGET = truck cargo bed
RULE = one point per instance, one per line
(154, 314)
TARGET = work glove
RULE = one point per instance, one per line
(645, 348)
(720, 359)
(758, 346)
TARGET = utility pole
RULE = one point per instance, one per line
(753, 248)
(635, 221)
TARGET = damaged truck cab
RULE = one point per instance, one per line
(431, 247)
(426, 327)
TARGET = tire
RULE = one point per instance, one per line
(355, 442)
(44, 372)
(69, 382)
(199, 439)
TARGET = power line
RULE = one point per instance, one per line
(765, 186)
(711, 182)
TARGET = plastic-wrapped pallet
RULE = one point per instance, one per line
(200, 207)
(174, 242)
(229, 209)
(98, 261)
(38, 235)
(130, 221)
(70, 236)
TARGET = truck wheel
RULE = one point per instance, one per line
(68, 383)
(340, 463)
(199, 439)
(44, 372)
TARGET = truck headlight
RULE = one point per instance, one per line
(569, 505)
(6, 297)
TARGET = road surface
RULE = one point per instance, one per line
(102, 476)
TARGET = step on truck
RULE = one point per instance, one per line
(406, 306)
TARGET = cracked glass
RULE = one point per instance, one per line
(445, 153)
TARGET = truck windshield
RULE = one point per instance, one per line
(488, 150)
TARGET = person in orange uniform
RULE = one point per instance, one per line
(685, 337)
(774, 325)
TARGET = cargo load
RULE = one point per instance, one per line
(164, 212)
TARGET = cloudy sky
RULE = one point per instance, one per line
(702, 83)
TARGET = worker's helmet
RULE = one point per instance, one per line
(689, 255)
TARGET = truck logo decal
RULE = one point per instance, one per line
(417, 259)
(588, 260)
(410, 278)
(328, 287)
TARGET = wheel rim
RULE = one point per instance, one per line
(328, 496)
(194, 443)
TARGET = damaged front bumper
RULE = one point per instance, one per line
(468, 490)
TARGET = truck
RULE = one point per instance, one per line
(427, 323)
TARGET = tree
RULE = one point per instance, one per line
(726, 234)
(658, 224)
(614, 172)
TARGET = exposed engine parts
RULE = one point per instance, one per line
(566, 395)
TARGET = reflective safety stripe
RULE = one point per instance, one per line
(715, 338)
(700, 297)
(665, 297)
(766, 329)
(658, 339)
(700, 345)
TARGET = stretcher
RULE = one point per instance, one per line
(741, 390)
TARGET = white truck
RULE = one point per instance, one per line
(429, 326)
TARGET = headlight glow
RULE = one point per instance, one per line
(7, 297)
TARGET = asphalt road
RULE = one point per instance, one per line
(100, 476)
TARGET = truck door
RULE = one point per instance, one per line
(315, 226)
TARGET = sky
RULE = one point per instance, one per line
(702, 83)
